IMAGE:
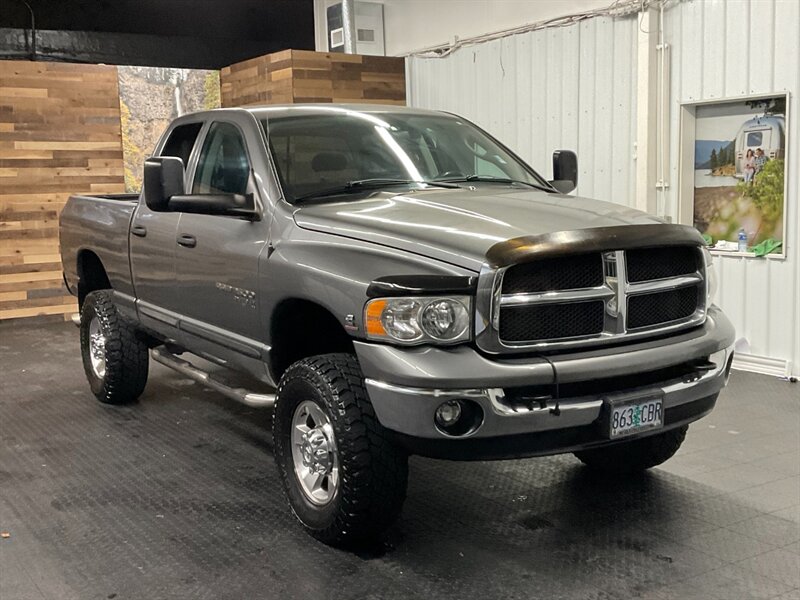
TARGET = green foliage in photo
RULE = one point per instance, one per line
(766, 191)
(211, 92)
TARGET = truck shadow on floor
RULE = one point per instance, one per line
(533, 504)
(537, 507)
(491, 529)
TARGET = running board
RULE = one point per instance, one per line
(186, 368)
(76, 319)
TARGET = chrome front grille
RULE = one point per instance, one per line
(553, 274)
(592, 298)
(543, 321)
(646, 310)
(647, 264)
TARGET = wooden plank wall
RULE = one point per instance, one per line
(59, 135)
(297, 76)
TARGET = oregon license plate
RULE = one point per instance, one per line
(628, 416)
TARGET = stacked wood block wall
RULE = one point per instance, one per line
(296, 76)
(59, 135)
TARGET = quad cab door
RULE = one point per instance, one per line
(152, 245)
(217, 257)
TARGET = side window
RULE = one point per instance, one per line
(181, 141)
(223, 166)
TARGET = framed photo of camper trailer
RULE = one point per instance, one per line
(733, 180)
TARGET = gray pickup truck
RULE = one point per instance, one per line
(395, 282)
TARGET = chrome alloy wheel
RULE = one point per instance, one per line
(316, 462)
(97, 348)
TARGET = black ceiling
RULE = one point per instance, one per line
(213, 33)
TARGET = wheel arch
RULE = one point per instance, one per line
(92, 275)
(300, 328)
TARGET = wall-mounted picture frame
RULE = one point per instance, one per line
(733, 180)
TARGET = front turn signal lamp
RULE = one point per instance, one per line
(419, 319)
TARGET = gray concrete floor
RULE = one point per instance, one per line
(177, 497)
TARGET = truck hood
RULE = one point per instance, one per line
(459, 226)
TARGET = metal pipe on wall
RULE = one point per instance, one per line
(33, 30)
(349, 25)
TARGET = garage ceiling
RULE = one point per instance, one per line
(178, 33)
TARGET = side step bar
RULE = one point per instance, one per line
(186, 368)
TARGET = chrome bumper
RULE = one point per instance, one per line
(407, 385)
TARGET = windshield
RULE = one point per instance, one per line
(315, 153)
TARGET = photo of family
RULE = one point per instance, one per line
(739, 173)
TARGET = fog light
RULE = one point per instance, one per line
(458, 418)
(448, 413)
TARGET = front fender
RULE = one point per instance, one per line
(335, 272)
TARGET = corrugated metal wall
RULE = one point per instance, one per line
(571, 87)
(725, 49)
(575, 87)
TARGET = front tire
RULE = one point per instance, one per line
(635, 455)
(115, 358)
(344, 479)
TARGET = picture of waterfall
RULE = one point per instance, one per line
(150, 98)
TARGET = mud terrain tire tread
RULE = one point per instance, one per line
(127, 358)
(373, 471)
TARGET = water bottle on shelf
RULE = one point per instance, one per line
(742, 240)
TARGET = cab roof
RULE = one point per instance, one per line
(285, 110)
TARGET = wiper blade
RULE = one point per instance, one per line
(387, 181)
(490, 179)
(361, 184)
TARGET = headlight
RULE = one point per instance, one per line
(418, 320)
(711, 277)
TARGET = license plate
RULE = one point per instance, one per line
(628, 416)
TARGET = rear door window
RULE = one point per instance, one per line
(181, 141)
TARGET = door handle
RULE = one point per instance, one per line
(139, 230)
(187, 241)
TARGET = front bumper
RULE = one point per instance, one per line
(406, 385)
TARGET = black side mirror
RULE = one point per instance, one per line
(231, 205)
(565, 171)
(163, 179)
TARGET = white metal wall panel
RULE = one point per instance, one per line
(737, 63)
(569, 87)
(575, 87)
(727, 49)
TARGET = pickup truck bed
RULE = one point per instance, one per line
(109, 242)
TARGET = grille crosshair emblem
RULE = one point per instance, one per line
(612, 281)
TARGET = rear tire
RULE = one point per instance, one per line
(635, 455)
(115, 357)
(345, 480)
